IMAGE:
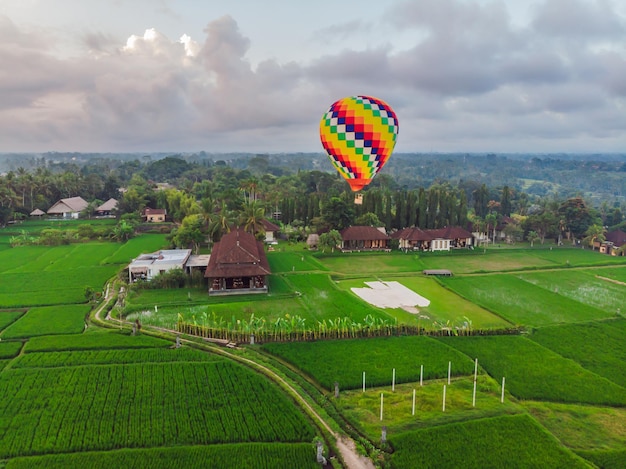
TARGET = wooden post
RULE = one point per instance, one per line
(393, 380)
(336, 389)
(502, 396)
(364, 381)
(381, 406)
(474, 396)
(475, 368)
(413, 408)
(444, 399)
(421, 375)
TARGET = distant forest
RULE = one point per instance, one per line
(551, 196)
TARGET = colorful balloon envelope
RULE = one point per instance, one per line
(359, 134)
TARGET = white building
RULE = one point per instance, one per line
(147, 266)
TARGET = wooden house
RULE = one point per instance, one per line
(357, 238)
(238, 264)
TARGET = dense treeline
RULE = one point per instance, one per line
(205, 197)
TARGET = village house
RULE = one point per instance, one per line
(357, 238)
(147, 266)
(154, 215)
(68, 208)
(107, 208)
(613, 243)
(271, 231)
(238, 264)
(441, 239)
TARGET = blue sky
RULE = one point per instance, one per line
(244, 75)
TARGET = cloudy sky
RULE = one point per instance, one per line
(249, 75)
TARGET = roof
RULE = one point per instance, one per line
(362, 233)
(109, 205)
(617, 237)
(198, 260)
(154, 211)
(69, 205)
(269, 226)
(237, 254)
(37, 213)
(161, 258)
(450, 232)
(413, 234)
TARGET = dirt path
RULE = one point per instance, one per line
(611, 280)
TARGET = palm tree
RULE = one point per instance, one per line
(594, 233)
(252, 217)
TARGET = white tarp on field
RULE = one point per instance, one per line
(390, 295)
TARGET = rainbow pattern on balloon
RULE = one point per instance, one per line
(359, 134)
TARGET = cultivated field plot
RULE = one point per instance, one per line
(535, 372)
(104, 407)
(345, 361)
(106, 357)
(367, 264)
(98, 340)
(323, 300)
(362, 409)
(45, 320)
(9, 349)
(509, 441)
(614, 273)
(491, 260)
(9, 317)
(228, 456)
(444, 305)
(41, 276)
(293, 262)
(582, 427)
(521, 302)
(143, 244)
(597, 346)
(581, 286)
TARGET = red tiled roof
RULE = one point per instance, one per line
(413, 234)
(154, 211)
(362, 233)
(451, 232)
(238, 254)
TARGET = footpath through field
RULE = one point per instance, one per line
(345, 444)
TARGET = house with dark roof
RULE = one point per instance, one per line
(238, 264)
(441, 239)
(613, 242)
(357, 238)
(69, 207)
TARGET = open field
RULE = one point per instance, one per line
(104, 407)
(227, 456)
(326, 361)
(597, 346)
(535, 372)
(108, 399)
(47, 320)
(444, 305)
(521, 302)
(509, 441)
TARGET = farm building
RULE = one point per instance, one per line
(441, 239)
(37, 213)
(613, 243)
(356, 238)
(147, 266)
(154, 215)
(68, 208)
(237, 265)
(312, 241)
(271, 231)
(107, 208)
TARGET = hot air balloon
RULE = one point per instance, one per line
(359, 133)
